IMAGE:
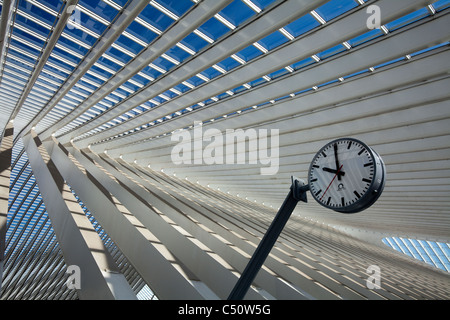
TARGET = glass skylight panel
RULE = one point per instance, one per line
(76, 33)
(28, 61)
(228, 64)
(203, 36)
(74, 43)
(140, 34)
(169, 94)
(156, 18)
(237, 12)
(131, 43)
(99, 73)
(213, 29)
(278, 73)
(87, 85)
(93, 79)
(33, 37)
(257, 82)
(139, 80)
(408, 19)
(177, 54)
(107, 64)
(133, 85)
(120, 93)
(441, 5)
(318, 17)
(152, 71)
(241, 89)
(48, 72)
(219, 68)
(14, 81)
(249, 53)
(80, 90)
(79, 26)
(429, 49)
(225, 21)
(261, 4)
(57, 113)
(273, 40)
(210, 74)
(117, 56)
(159, 100)
(19, 70)
(67, 59)
(23, 48)
(164, 10)
(302, 25)
(163, 65)
(185, 48)
(332, 51)
(29, 14)
(45, 87)
(62, 65)
(170, 58)
(368, 36)
(127, 88)
(112, 98)
(194, 42)
(433, 253)
(178, 7)
(99, 10)
(123, 49)
(335, 8)
(182, 88)
(50, 6)
(223, 95)
(37, 30)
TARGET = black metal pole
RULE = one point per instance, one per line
(296, 194)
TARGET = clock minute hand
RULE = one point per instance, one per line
(336, 159)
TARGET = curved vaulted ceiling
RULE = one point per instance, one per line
(124, 79)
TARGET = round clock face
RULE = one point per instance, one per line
(346, 176)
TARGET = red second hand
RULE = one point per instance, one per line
(331, 182)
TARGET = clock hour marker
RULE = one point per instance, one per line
(368, 164)
(343, 201)
(318, 192)
(313, 180)
(324, 154)
(349, 145)
(316, 166)
(367, 180)
(357, 194)
(329, 200)
(359, 153)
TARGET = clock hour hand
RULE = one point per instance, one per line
(340, 174)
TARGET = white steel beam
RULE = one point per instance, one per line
(271, 21)
(333, 34)
(139, 202)
(195, 18)
(156, 270)
(80, 244)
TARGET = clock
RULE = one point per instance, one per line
(346, 176)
